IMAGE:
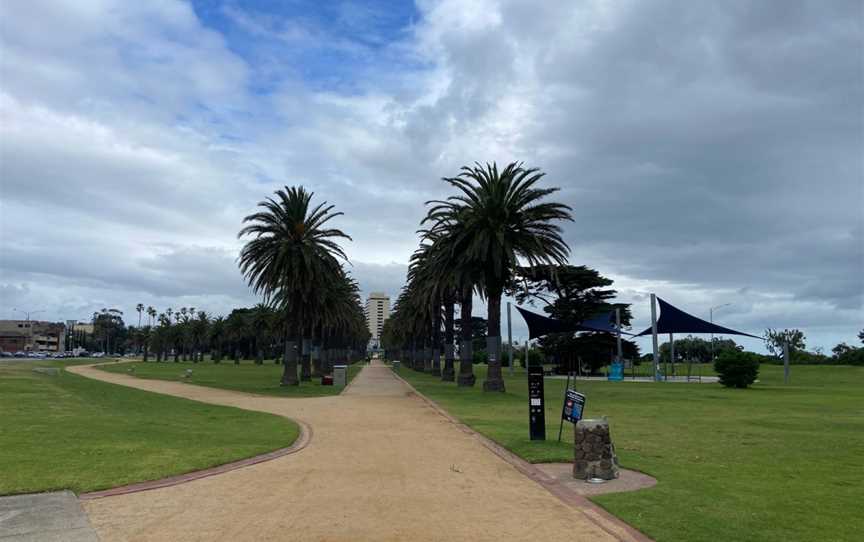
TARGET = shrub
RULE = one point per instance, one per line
(737, 369)
(480, 356)
(853, 356)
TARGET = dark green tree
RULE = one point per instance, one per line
(574, 294)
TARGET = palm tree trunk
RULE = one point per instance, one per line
(289, 362)
(447, 374)
(146, 353)
(466, 354)
(315, 355)
(427, 356)
(436, 338)
(494, 378)
(306, 360)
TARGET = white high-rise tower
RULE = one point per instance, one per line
(377, 311)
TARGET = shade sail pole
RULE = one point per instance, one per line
(671, 355)
(654, 336)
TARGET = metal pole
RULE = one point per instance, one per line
(671, 355)
(561, 421)
(654, 337)
(527, 343)
(618, 333)
(509, 339)
(785, 363)
(711, 319)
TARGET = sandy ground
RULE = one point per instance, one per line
(381, 465)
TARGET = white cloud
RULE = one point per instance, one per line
(707, 150)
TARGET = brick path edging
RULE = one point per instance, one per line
(595, 513)
(302, 441)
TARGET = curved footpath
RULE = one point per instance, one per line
(382, 465)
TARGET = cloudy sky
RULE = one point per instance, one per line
(713, 152)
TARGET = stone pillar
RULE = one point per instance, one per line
(594, 452)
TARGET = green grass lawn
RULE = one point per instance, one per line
(70, 432)
(773, 462)
(245, 376)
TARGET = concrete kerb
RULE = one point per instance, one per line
(598, 515)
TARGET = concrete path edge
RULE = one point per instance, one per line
(597, 514)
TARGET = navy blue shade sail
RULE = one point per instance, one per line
(539, 325)
(674, 320)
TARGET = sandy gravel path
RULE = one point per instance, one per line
(382, 465)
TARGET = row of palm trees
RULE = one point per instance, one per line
(294, 260)
(472, 243)
(247, 333)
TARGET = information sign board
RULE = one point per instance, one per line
(536, 409)
(574, 405)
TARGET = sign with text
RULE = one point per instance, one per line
(574, 405)
(536, 410)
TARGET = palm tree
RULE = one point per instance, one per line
(259, 324)
(200, 332)
(458, 280)
(499, 218)
(217, 336)
(161, 337)
(291, 259)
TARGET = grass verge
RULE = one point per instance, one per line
(245, 376)
(69, 432)
(775, 462)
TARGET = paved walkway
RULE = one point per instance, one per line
(44, 517)
(381, 465)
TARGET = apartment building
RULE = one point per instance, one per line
(377, 312)
(32, 335)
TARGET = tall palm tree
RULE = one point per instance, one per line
(501, 219)
(217, 336)
(291, 259)
(459, 278)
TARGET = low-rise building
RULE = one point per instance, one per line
(32, 335)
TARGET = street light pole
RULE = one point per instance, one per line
(29, 326)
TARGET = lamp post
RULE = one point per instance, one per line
(711, 319)
(28, 326)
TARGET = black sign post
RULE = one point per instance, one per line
(536, 410)
(574, 405)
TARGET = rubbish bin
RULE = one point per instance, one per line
(340, 375)
(395, 365)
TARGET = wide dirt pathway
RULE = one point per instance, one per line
(381, 465)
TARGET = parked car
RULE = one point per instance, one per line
(5, 354)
